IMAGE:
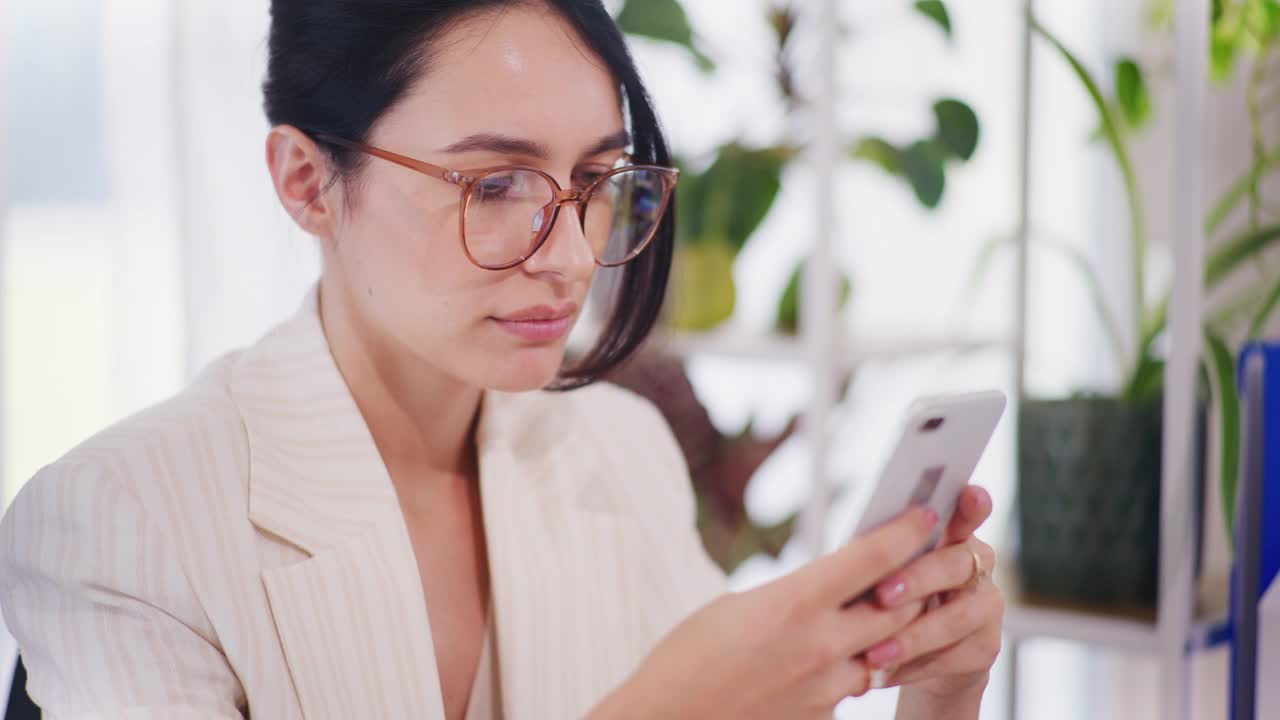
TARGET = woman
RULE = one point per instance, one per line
(374, 511)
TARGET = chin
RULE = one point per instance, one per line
(527, 371)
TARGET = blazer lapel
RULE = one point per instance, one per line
(568, 570)
(351, 616)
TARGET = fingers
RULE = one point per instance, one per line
(852, 631)
(857, 566)
(972, 509)
(853, 678)
(944, 569)
(959, 620)
(974, 654)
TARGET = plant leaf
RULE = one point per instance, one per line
(1224, 260)
(1224, 43)
(1131, 94)
(1264, 313)
(936, 11)
(1161, 15)
(742, 184)
(957, 127)
(1148, 380)
(1238, 191)
(1262, 17)
(783, 22)
(703, 293)
(1078, 261)
(663, 20)
(1237, 251)
(1120, 152)
(1152, 325)
(1222, 57)
(1223, 375)
(982, 267)
(788, 317)
(922, 163)
(1234, 313)
(1081, 263)
(773, 539)
(690, 204)
(728, 201)
(879, 151)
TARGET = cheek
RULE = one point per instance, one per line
(406, 267)
(404, 260)
(411, 244)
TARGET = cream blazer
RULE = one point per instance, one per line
(239, 550)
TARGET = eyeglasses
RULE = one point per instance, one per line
(508, 212)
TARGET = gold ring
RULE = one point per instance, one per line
(979, 572)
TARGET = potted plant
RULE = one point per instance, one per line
(1089, 466)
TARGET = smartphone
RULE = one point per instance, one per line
(939, 446)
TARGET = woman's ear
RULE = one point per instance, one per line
(301, 175)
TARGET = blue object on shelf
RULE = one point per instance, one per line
(1255, 592)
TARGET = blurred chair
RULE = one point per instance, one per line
(20, 706)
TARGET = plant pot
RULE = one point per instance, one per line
(1089, 500)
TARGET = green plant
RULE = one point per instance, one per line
(922, 163)
(721, 206)
(1241, 28)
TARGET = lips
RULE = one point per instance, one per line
(541, 313)
(541, 323)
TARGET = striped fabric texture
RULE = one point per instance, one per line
(239, 551)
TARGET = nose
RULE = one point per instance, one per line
(566, 251)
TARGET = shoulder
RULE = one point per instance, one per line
(172, 434)
(148, 459)
(97, 552)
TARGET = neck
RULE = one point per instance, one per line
(422, 420)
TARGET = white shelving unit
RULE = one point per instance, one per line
(1173, 632)
(820, 300)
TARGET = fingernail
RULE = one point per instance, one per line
(891, 592)
(931, 517)
(979, 501)
(884, 654)
(878, 679)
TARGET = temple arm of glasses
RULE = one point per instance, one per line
(426, 168)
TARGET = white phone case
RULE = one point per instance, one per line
(943, 439)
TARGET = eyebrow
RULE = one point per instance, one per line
(508, 145)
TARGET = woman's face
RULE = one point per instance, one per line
(516, 87)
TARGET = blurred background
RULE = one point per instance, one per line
(880, 199)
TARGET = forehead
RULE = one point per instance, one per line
(520, 71)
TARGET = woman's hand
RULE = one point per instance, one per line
(789, 649)
(943, 658)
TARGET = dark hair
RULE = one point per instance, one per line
(335, 67)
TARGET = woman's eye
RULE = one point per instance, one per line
(583, 178)
(495, 187)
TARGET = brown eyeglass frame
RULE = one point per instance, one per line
(466, 181)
